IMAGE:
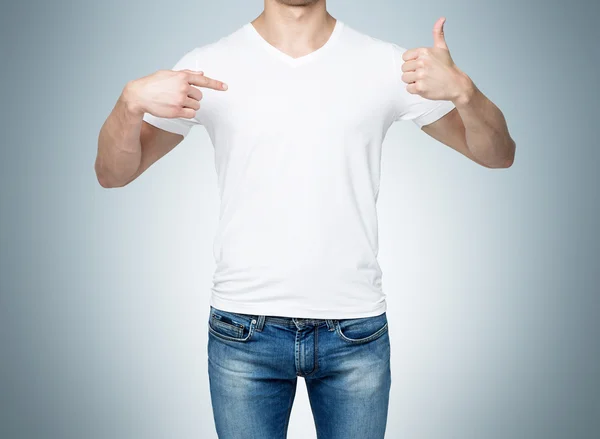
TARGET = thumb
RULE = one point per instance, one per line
(438, 34)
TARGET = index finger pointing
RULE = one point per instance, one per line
(205, 81)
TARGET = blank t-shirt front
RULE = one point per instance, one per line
(297, 153)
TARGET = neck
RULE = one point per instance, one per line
(295, 29)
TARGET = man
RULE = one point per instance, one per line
(297, 105)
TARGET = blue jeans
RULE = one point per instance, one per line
(254, 362)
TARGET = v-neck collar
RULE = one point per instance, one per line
(337, 30)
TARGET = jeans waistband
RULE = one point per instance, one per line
(290, 322)
(293, 322)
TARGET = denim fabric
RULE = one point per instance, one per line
(254, 362)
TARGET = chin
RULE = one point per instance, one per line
(298, 2)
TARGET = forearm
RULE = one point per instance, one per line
(119, 148)
(486, 130)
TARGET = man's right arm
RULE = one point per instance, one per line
(127, 145)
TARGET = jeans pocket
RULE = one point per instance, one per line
(361, 330)
(231, 326)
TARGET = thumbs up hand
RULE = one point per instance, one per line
(431, 73)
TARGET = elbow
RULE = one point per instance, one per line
(106, 184)
(101, 176)
(508, 160)
(104, 180)
(505, 163)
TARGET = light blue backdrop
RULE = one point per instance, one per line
(491, 275)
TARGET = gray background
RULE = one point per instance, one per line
(491, 275)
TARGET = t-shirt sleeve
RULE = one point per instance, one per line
(177, 125)
(408, 106)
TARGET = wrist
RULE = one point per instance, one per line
(466, 90)
(130, 100)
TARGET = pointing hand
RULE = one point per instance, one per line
(171, 93)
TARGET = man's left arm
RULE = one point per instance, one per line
(476, 127)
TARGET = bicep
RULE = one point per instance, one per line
(155, 143)
(450, 130)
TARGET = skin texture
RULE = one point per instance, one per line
(128, 146)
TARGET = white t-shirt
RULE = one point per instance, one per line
(297, 154)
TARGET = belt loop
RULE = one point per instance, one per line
(260, 323)
(330, 325)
